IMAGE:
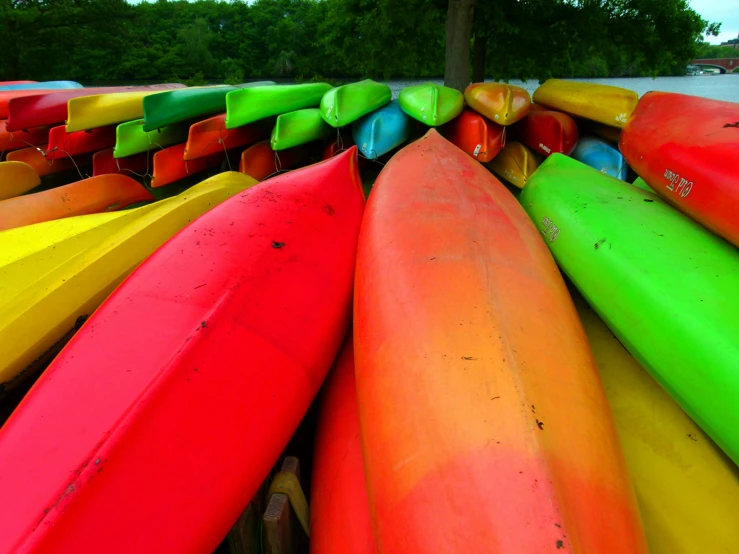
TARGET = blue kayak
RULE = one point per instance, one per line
(61, 85)
(382, 130)
(602, 156)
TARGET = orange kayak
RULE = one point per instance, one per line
(36, 159)
(476, 134)
(210, 136)
(17, 178)
(340, 519)
(103, 163)
(260, 161)
(15, 140)
(63, 144)
(485, 426)
(500, 102)
(169, 165)
(106, 193)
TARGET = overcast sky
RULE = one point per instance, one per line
(725, 12)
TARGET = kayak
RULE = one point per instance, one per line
(130, 137)
(476, 135)
(515, 163)
(340, 518)
(547, 132)
(17, 178)
(210, 136)
(35, 158)
(234, 321)
(104, 163)
(431, 104)
(3, 83)
(500, 102)
(664, 285)
(474, 379)
(16, 140)
(639, 183)
(381, 131)
(187, 104)
(687, 488)
(63, 144)
(169, 165)
(248, 105)
(57, 272)
(7, 95)
(260, 161)
(51, 108)
(299, 127)
(89, 112)
(686, 148)
(607, 132)
(343, 105)
(600, 155)
(106, 193)
(51, 85)
(603, 103)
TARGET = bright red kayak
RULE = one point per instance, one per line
(340, 518)
(51, 108)
(169, 165)
(63, 144)
(547, 131)
(476, 134)
(147, 433)
(687, 150)
(210, 136)
(21, 139)
(260, 161)
(103, 163)
(7, 95)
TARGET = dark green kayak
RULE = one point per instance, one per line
(188, 103)
(248, 105)
(347, 103)
(299, 127)
(130, 137)
(666, 287)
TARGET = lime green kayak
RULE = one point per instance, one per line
(299, 127)
(345, 104)
(188, 103)
(641, 183)
(248, 105)
(431, 104)
(665, 286)
(130, 137)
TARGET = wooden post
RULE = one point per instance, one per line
(282, 531)
(245, 536)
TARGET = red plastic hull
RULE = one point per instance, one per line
(63, 144)
(340, 520)
(210, 136)
(103, 163)
(260, 161)
(7, 95)
(687, 150)
(170, 166)
(547, 131)
(476, 135)
(10, 141)
(229, 330)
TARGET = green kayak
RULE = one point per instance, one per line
(299, 127)
(248, 105)
(431, 104)
(130, 137)
(665, 286)
(185, 104)
(641, 183)
(345, 104)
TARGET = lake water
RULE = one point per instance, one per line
(718, 87)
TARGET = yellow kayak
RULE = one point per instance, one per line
(99, 110)
(515, 163)
(17, 178)
(54, 274)
(688, 489)
(603, 103)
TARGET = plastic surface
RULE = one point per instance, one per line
(547, 132)
(210, 136)
(381, 131)
(104, 163)
(56, 272)
(15, 140)
(248, 105)
(88, 112)
(130, 137)
(63, 144)
(515, 163)
(345, 104)
(97, 194)
(663, 284)
(500, 102)
(600, 155)
(52, 85)
(476, 135)
(260, 161)
(230, 329)
(169, 165)
(299, 127)
(603, 103)
(686, 148)
(431, 104)
(484, 423)
(17, 178)
(34, 157)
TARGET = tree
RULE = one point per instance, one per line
(458, 33)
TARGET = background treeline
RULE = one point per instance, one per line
(111, 40)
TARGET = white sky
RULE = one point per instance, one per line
(725, 12)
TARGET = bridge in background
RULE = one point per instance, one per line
(725, 65)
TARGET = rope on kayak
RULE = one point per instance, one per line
(74, 163)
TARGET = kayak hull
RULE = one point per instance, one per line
(211, 136)
(249, 105)
(130, 137)
(515, 164)
(431, 104)
(169, 165)
(343, 105)
(476, 135)
(260, 161)
(104, 163)
(36, 159)
(500, 102)
(63, 144)
(381, 131)
(600, 155)
(15, 140)
(17, 178)
(547, 132)
(299, 127)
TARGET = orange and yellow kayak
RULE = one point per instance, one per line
(35, 158)
(515, 164)
(500, 102)
(17, 178)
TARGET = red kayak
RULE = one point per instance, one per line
(340, 518)
(51, 108)
(476, 134)
(169, 165)
(103, 163)
(547, 131)
(36, 159)
(210, 136)
(147, 433)
(63, 144)
(687, 150)
(260, 161)
(7, 95)
(21, 139)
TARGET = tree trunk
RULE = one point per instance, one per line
(458, 34)
(478, 58)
